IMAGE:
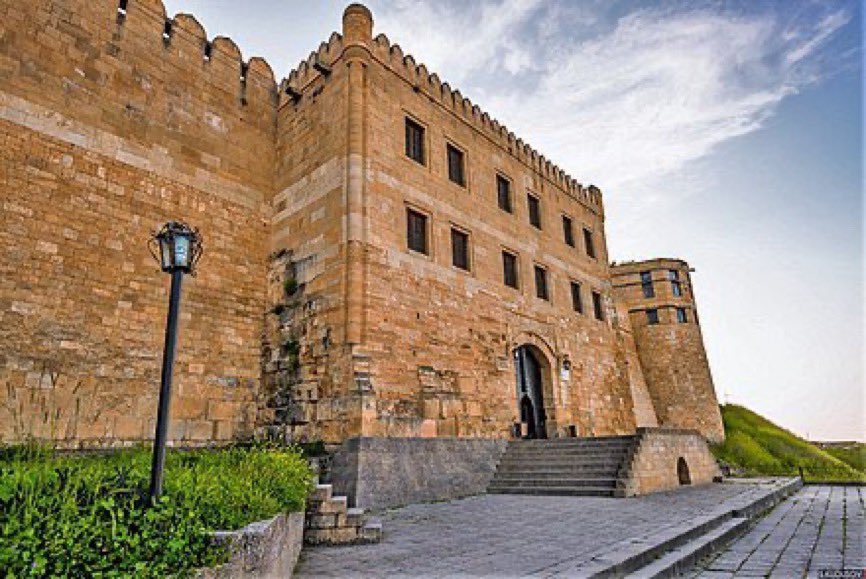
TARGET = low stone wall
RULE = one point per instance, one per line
(377, 473)
(655, 461)
(262, 549)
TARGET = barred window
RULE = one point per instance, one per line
(416, 231)
(414, 141)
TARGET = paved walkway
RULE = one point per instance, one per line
(507, 535)
(818, 528)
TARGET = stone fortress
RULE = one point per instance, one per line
(387, 268)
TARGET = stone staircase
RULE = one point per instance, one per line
(563, 466)
(329, 521)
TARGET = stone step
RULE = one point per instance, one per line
(322, 493)
(559, 463)
(558, 477)
(571, 443)
(523, 481)
(684, 557)
(552, 491)
(570, 454)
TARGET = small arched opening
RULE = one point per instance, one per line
(683, 472)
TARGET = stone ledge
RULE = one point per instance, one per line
(632, 555)
(268, 548)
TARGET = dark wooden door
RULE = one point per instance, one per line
(530, 392)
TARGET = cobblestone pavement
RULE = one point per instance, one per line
(817, 528)
(508, 535)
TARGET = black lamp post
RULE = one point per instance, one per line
(180, 248)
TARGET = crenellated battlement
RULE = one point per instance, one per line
(391, 55)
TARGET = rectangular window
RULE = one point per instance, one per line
(456, 169)
(587, 242)
(460, 249)
(534, 210)
(682, 318)
(541, 283)
(416, 231)
(646, 282)
(414, 141)
(596, 306)
(576, 301)
(676, 288)
(652, 317)
(503, 193)
(568, 230)
(509, 269)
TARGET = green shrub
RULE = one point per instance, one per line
(757, 447)
(290, 286)
(86, 516)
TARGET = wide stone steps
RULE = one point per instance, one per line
(564, 467)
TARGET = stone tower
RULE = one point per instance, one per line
(660, 300)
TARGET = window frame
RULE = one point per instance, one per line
(652, 316)
(449, 147)
(509, 193)
(576, 296)
(589, 243)
(646, 284)
(568, 230)
(537, 222)
(407, 122)
(597, 306)
(542, 290)
(467, 249)
(516, 260)
(428, 250)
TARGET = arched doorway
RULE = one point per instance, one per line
(530, 392)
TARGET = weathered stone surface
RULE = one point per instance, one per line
(671, 352)
(310, 318)
(655, 461)
(262, 549)
(385, 472)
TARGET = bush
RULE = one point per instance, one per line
(88, 516)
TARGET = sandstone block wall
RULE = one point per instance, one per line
(655, 462)
(671, 351)
(109, 129)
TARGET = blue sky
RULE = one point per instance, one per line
(726, 133)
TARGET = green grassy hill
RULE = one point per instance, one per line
(754, 446)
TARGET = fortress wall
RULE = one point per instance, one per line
(672, 354)
(108, 130)
(308, 244)
(440, 339)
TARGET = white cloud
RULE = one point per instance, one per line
(636, 101)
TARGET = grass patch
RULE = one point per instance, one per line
(754, 446)
(851, 453)
(88, 515)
